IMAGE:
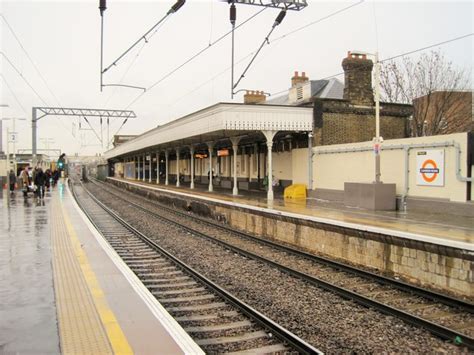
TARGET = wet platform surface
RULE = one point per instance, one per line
(436, 227)
(64, 289)
(27, 305)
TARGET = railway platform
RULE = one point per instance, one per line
(65, 290)
(432, 250)
(442, 229)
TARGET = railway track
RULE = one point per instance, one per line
(215, 319)
(444, 316)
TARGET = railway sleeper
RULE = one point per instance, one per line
(167, 281)
(233, 339)
(181, 291)
(205, 297)
(204, 317)
(219, 327)
(269, 349)
(198, 308)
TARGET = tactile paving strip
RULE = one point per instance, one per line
(80, 328)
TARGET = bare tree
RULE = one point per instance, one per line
(438, 91)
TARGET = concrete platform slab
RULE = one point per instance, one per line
(444, 230)
(64, 289)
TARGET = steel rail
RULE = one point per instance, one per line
(439, 330)
(400, 285)
(283, 334)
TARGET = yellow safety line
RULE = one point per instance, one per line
(115, 334)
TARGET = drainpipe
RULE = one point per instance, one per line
(407, 148)
(406, 151)
(457, 146)
(310, 161)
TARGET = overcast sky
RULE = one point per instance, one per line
(63, 40)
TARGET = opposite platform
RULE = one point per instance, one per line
(61, 277)
(445, 230)
(436, 254)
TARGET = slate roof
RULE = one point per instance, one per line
(324, 89)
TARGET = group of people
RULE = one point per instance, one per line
(34, 180)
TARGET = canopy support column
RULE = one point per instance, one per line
(210, 146)
(157, 168)
(192, 167)
(177, 167)
(235, 146)
(269, 136)
(166, 166)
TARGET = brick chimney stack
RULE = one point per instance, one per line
(296, 79)
(254, 97)
(358, 79)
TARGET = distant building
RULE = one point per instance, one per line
(443, 112)
(343, 113)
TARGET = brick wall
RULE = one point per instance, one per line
(338, 121)
(349, 128)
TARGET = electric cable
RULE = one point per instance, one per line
(192, 58)
(13, 94)
(226, 34)
(172, 10)
(278, 20)
(23, 77)
(395, 57)
(30, 59)
(318, 20)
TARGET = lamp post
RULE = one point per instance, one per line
(7, 148)
(377, 140)
(14, 137)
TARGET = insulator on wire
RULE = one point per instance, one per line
(233, 14)
(102, 6)
(279, 18)
(177, 5)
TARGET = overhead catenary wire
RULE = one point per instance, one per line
(132, 63)
(192, 58)
(278, 20)
(332, 14)
(30, 59)
(273, 41)
(33, 89)
(226, 34)
(13, 94)
(23, 77)
(396, 56)
(173, 9)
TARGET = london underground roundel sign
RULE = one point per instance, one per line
(430, 167)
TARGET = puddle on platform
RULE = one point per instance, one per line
(27, 307)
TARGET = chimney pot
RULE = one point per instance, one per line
(358, 79)
(254, 97)
(296, 79)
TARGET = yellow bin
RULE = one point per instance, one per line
(295, 191)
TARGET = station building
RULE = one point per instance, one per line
(318, 134)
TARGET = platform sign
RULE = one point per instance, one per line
(223, 152)
(12, 137)
(430, 167)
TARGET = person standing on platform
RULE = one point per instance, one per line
(48, 178)
(12, 178)
(25, 177)
(55, 177)
(40, 180)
